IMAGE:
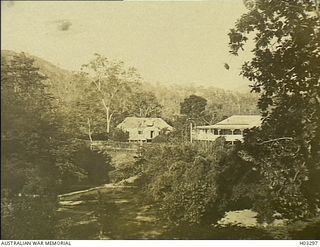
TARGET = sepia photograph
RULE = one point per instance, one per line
(160, 120)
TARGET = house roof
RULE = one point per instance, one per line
(236, 122)
(141, 123)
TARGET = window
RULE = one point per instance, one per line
(216, 132)
(226, 132)
(237, 132)
(139, 132)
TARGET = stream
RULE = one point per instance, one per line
(121, 212)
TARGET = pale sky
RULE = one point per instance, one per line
(182, 42)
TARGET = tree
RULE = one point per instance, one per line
(112, 83)
(29, 129)
(285, 71)
(28, 124)
(193, 106)
(84, 115)
(145, 104)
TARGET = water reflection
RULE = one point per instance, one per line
(107, 213)
(121, 213)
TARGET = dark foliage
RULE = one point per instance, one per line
(29, 137)
(285, 71)
(38, 159)
(193, 107)
(119, 135)
(28, 217)
(183, 180)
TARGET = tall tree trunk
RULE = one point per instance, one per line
(190, 132)
(90, 133)
(89, 130)
(109, 115)
(108, 124)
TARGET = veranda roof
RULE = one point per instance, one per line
(235, 122)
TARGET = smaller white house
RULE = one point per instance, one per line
(231, 128)
(143, 129)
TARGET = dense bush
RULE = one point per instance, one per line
(119, 135)
(183, 179)
(79, 166)
(30, 135)
(39, 159)
(28, 217)
(289, 179)
(284, 70)
(124, 171)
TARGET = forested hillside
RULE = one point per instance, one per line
(220, 101)
(145, 99)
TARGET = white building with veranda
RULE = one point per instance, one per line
(230, 128)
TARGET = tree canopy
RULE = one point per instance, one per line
(39, 159)
(193, 106)
(112, 83)
(285, 72)
(118, 90)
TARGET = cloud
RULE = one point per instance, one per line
(64, 25)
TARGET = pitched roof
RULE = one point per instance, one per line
(137, 122)
(236, 122)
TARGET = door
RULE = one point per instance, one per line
(151, 134)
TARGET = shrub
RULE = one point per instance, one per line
(96, 165)
(80, 167)
(119, 135)
(183, 179)
(28, 218)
